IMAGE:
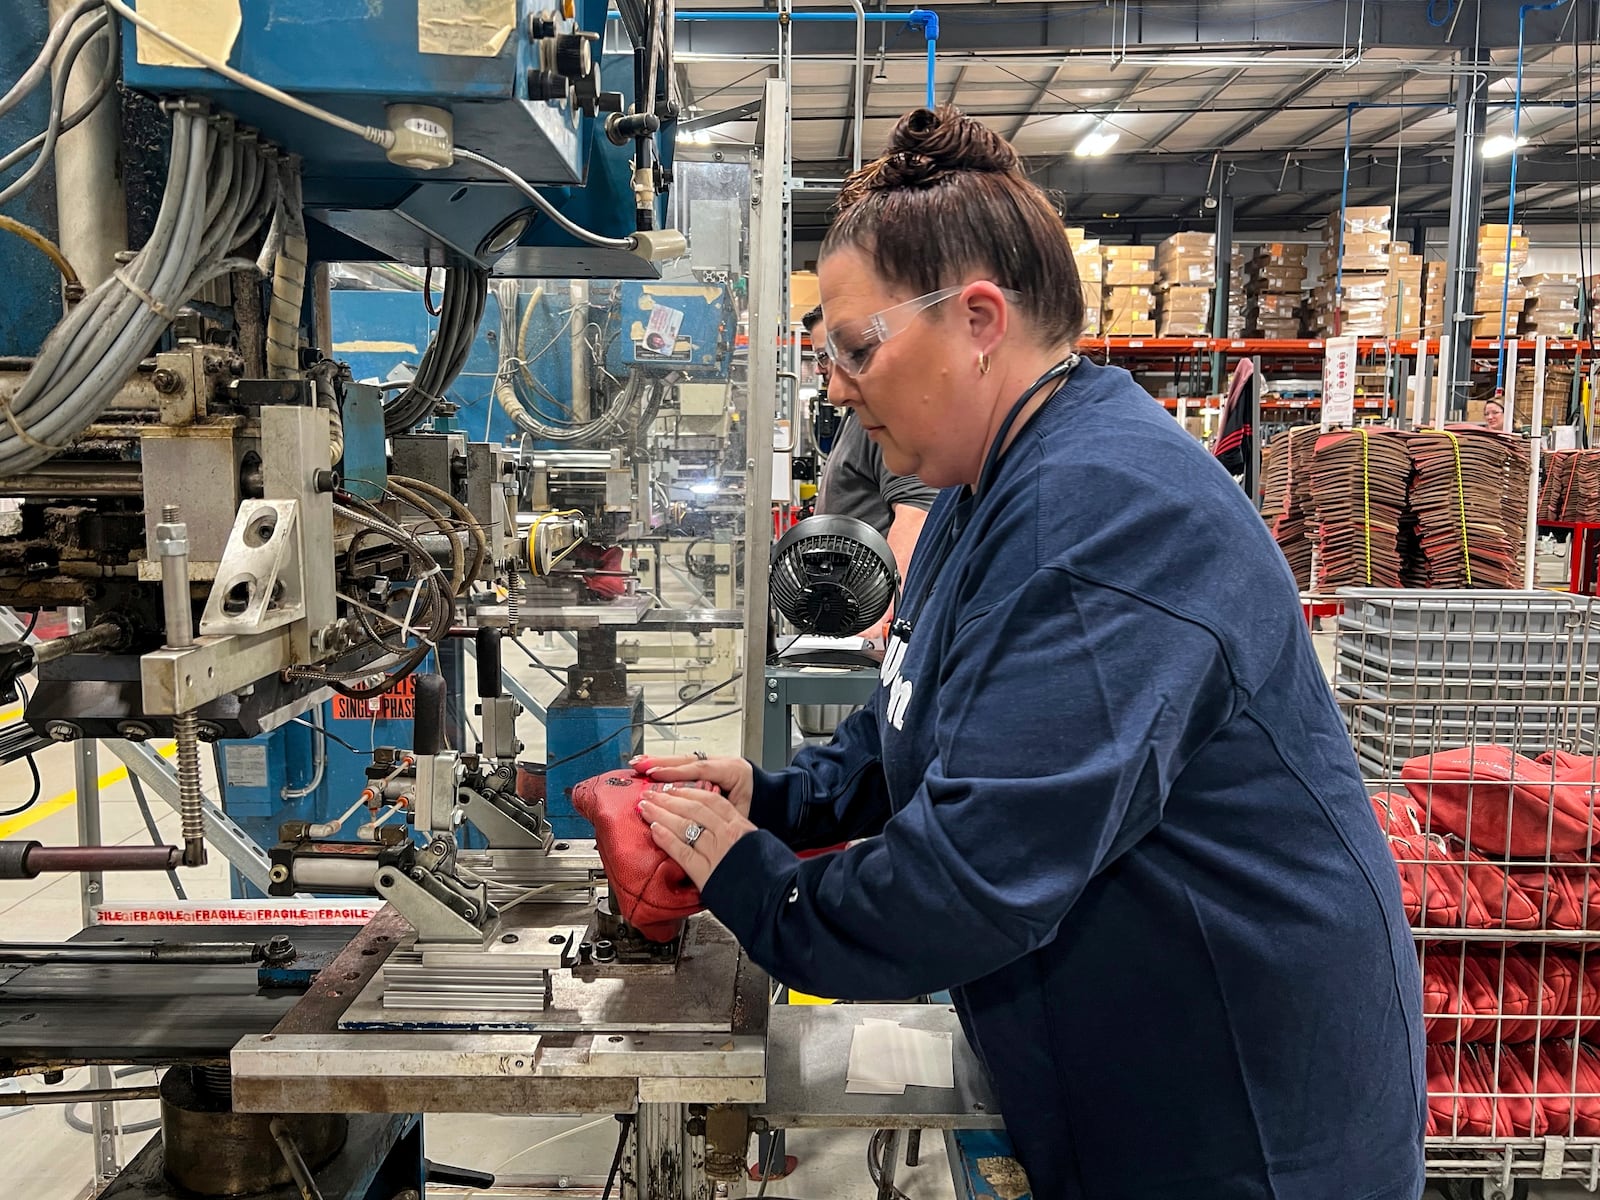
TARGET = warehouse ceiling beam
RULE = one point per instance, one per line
(1156, 141)
(1041, 90)
(955, 84)
(1266, 175)
(1112, 32)
(727, 116)
(1273, 107)
(1532, 99)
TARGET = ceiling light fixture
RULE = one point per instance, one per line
(1501, 145)
(1096, 143)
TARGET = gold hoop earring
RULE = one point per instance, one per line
(983, 364)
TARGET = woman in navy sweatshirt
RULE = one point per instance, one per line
(1104, 793)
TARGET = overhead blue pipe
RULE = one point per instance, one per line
(1511, 204)
(909, 17)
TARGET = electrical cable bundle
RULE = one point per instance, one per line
(58, 123)
(221, 189)
(640, 396)
(466, 292)
(426, 621)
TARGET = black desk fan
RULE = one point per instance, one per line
(833, 576)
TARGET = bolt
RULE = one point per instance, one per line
(279, 951)
(51, 1078)
(166, 382)
(61, 731)
(134, 731)
(470, 913)
(279, 874)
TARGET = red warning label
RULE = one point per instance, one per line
(397, 704)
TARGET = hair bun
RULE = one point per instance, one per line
(929, 145)
(942, 140)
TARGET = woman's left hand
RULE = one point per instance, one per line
(675, 810)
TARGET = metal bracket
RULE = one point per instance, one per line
(259, 585)
(505, 821)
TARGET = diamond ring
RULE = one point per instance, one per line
(692, 833)
(700, 754)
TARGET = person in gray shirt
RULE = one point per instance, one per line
(855, 483)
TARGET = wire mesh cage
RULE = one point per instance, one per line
(1476, 720)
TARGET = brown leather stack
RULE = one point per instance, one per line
(1286, 496)
(1571, 488)
(1469, 493)
(1358, 487)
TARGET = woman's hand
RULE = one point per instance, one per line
(695, 828)
(732, 774)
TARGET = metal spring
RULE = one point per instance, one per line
(216, 1079)
(186, 731)
(513, 579)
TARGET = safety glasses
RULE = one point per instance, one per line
(850, 348)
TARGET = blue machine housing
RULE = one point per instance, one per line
(356, 58)
(33, 287)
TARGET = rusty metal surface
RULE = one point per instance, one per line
(325, 1001)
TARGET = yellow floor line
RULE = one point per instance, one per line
(55, 804)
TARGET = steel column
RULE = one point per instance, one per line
(1461, 257)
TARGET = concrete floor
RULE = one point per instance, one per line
(48, 1160)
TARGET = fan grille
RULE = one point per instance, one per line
(831, 585)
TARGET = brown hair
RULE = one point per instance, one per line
(948, 198)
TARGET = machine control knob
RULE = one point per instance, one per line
(546, 85)
(541, 25)
(573, 58)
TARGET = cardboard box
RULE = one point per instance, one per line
(804, 294)
(1128, 327)
(1121, 272)
(1139, 253)
(1281, 254)
(1370, 219)
(1266, 277)
(1138, 302)
(1189, 271)
(1191, 242)
(1076, 235)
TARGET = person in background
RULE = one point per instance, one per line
(855, 483)
(1494, 414)
(1104, 792)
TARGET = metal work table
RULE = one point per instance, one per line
(808, 1059)
(790, 686)
(609, 1050)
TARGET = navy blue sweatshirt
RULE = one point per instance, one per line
(1108, 799)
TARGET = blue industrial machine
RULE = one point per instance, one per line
(520, 82)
